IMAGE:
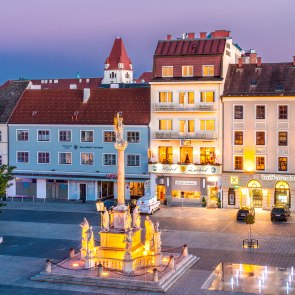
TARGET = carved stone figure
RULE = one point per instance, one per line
(128, 220)
(120, 144)
(128, 240)
(105, 221)
(149, 229)
(111, 215)
(157, 227)
(136, 217)
(90, 249)
(157, 242)
(85, 227)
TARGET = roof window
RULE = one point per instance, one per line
(279, 88)
(253, 83)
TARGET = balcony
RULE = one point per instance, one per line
(200, 107)
(202, 135)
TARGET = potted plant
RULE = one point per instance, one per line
(204, 203)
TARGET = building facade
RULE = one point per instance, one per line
(258, 165)
(186, 126)
(62, 143)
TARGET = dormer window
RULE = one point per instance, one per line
(279, 88)
(167, 71)
(120, 65)
(253, 83)
(208, 71)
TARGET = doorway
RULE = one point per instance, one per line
(161, 193)
(255, 191)
(83, 189)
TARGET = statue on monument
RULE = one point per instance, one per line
(157, 238)
(128, 220)
(120, 143)
(90, 241)
(105, 221)
(85, 227)
(149, 233)
(136, 217)
(129, 240)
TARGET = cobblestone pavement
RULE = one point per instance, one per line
(36, 231)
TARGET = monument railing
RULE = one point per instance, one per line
(143, 262)
(110, 263)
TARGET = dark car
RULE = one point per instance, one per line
(280, 212)
(244, 211)
(109, 203)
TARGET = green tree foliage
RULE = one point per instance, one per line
(5, 177)
(250, 219)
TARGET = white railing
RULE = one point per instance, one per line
(200, 107)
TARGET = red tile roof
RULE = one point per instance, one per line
(190, 47)
(145, 77)
(66, 107)
(118, 55)
(65, 83)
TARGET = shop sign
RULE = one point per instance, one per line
(274, 177)
(185, 182)
(234, 180)
(184, 169)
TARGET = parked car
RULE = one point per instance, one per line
(109, 203)
(148, 204)
(280, 212)
(244, 211)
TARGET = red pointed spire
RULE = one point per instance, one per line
(118, 55)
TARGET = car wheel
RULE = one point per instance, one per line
(285, 219)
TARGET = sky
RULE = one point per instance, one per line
(57, 38)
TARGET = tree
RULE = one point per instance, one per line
(5, 178)
(250, 219)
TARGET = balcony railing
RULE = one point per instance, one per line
(200, 107)
(207, 135)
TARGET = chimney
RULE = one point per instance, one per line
(294, 61)
(253, 58)
(203, 35)
(169, 37)
(240, 62)
(190, 35)
(220, 34)
(86, 95)
(259, 62)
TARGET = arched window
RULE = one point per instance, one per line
(127, 75)
(255, 192)
(282, 193)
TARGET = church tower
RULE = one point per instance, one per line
(118, 66)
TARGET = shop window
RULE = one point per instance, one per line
(165, 124)
(187, 71)
(260, 163)
(238, 138)
(186, 194)
(283, 112)
(136, 189)
(283, 163)
(260, 112)
(109, 136)
(166, 154)
(207, 96)
(167, 71)
(208, 71)
(207, 155)
(260, 137)
(238, 163)
(238, 112)
(165, 97)
(283, 138)
(282, 193)
(186, 155)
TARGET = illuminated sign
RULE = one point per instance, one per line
(274, 177)
(234, 180)
(185, 182)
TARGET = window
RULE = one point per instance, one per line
(208, 71)
(165, 96)
(109, 136)
(238, 112)
(260, 138)
(133, 136)
(43, 158)
(181, 97)
(65, 135)
(207, 96)
(206, 125)
(43, 135)
(187, 71)
(167, 71)
(283, 112)
(283, 162)
(133, 160)
(207, 155)
(1, 160)
(260, 112)
(0, 135)
(165, 124)
(186, 155)
(86, 136)
(86, 158)
(260, 163)
(65, 158)
(188, 97)
(166, 154)
(238, 165)
(191, 98)
(238, 140)
(283, 138)
(186, 125)
(22, 135)
(22, 157)
(109, 159)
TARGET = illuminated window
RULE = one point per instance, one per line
(165, 97)
(260, 138)
(109, 136)
(207, 125)
(283, 112)
(165, 124)
(187, 71)
(283, 138)
(191, 98)
(86, 158)
(65, 158)
(260, 163)
(181, 97)
(238, 140)
(207, 96)
(186, 125)
(165, 154)
(207, 155)
(260, 112)
(186, 155)
(167, 71)
(208, 71)
(238, 163)
(283, 163)
(238, 112)
(188, 97)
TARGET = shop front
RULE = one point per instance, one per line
(179, 184)
(257, 190)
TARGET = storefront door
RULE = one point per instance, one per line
(161, 193)
(255, 193)
(282, 193)
(83, 191)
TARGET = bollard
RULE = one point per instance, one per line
(155, 275)
(48, 265)
(172, 262)
(72, 253)
(100, 270)
(185, 250)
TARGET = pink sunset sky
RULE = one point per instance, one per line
(57, 38)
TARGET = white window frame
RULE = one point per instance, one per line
(205, 91)
(103, 131)
(239, 105)
(282, 146)
(43, 152)
(288, 163)
(103, 163)
(207, 119)
(255, 112)
(133, 131)
(203, 66)
(265, 138)
(186, 97)
(87, 164)
(136, 156)
(165, 120)
(278, 112)
(233, 143)
(65, 130)
(165, 91)
(234, 163)
(86, 131)
(22, 130)
(261, 156)
(187, 66)
(43, 140)
(166, 68)
(186, 125)
(16, 159)
(59, 163)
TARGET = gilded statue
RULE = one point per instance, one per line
(121, 143)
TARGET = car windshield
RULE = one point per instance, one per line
(278, 210)
(243, 211)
